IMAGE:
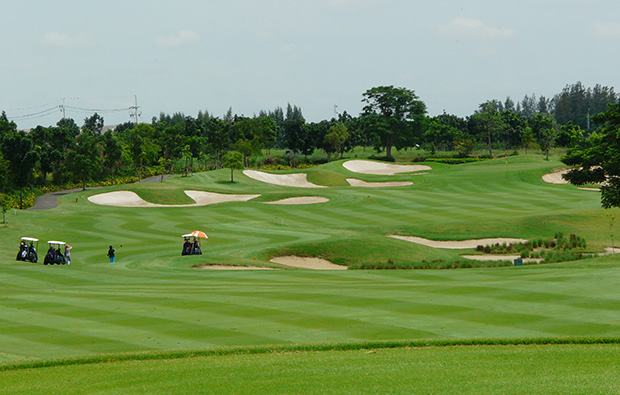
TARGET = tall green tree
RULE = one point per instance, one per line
(94, 123)
(233, 160)
(84, 159)
(46, 152)
(19, 150)
(569, 135)
(61, 138)
(248, 148)
(218, 140)
(335, 139)
(441, 135)
(395, 115)
(296, 136)
(597, 159)
(112, 153)
(489, 122)
(142, 147)
(4, 173)
(545, 129)
(528, 141)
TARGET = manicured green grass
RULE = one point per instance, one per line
(152, 300)
(520, 369)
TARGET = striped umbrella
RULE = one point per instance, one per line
(198, 233)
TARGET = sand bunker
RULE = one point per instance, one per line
(205, 198)
(131, 199)
(288, 180)
(369, 167)
(307, 263)
(555, 177)
(457, 245)
(611, 250)
(354, 182)
(301, 200)
(226, 267)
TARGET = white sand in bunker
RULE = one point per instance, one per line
(204, 198)
(307, 263)
(227, 267)
(300, 200)
(457, 245)
(354, 182)
(369, 167)
(555, 177)
(288, 180)
(611, 250)
(131, 199)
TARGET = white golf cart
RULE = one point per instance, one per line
(191, 243)
(55, 253)
(28, 249)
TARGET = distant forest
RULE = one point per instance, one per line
(49, 157)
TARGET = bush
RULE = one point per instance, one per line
(454, 161)
(383, 158)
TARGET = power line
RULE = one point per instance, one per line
(97, 110)
(35, 115)
(61, 107)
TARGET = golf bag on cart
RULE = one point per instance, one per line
(187, 248)
(23, 252)
(59, 258)
(32, 254)
(49, 257)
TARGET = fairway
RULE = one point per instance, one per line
(152, 299)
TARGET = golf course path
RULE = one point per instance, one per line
(50, 200)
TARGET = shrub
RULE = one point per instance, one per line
(383, 158)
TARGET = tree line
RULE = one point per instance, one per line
(391, 118)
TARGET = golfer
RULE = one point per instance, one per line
(111, 254)
(68, 253)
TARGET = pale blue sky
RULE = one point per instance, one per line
(186, 56)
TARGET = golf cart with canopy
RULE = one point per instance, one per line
(55, 254)
(27, 249)
(191, 244)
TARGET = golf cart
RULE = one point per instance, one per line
(27, 249)
(55, 254)
(191, 245)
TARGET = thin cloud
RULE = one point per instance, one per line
(264, 37)
(350, 5)
(608, 29)
(61, 40)
(182, 39)
(475, 29)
